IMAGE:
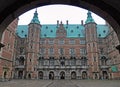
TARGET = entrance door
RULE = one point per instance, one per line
(105, 75)
(20, 74)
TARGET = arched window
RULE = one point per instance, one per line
(84, 61)
(103, 60)
(73, 60)
(62, 61)
(41, 61)
(51, 61)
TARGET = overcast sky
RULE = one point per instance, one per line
(51, 13)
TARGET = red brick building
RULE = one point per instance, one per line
(67, 51)
(62, 51)
(6, 53)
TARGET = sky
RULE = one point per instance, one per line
(49, 14)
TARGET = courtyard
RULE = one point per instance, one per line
(61, 83)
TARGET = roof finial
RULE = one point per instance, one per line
(35, 18)
(36, 10)
(89, 17)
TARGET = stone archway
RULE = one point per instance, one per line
(84, 75)
(62, 75)
(51, 75)
(73, 75)
(40, 75)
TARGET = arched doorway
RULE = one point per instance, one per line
(51, 75)
(62, 75)
(5, 75)
(40, 75)
(105, 75)
(84, 75)
(20, 74)
(29, 76)
(73, 75)
(95, 76)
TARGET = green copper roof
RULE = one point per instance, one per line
(89, 18)
(22, 31)
(35, 18)
(73, 31)
(102, 31)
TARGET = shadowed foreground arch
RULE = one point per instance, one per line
(109, 10)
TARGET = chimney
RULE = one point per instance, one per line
(57, 23)
(82, 22)
(67, 22)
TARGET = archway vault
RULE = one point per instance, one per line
(107, 9)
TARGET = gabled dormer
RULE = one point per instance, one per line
(61, 32)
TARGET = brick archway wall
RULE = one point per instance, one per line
(107, 9)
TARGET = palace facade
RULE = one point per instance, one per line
(66, 51)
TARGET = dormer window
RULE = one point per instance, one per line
(51, 31)
(78, 35)
(46, 27)
(71, 31)
(104, 31)
(22, 31)
(45, 35)
(77, 27)
(99, 35)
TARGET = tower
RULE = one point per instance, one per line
(33, 47)
(92, 46)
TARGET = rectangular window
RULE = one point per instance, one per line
(82, 51)
(71, 41)
(51, 51)
(42, 41)
(42, 51)
(51, 41)
(101, 51)
(61, 51)
(61, 41)
(82, 42)
(21, 50)
(72, 51)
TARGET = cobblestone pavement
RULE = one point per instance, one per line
(61, 83)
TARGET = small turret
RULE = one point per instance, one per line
(89, 18)
(35, 18)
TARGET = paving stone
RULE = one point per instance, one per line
(61, 83)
